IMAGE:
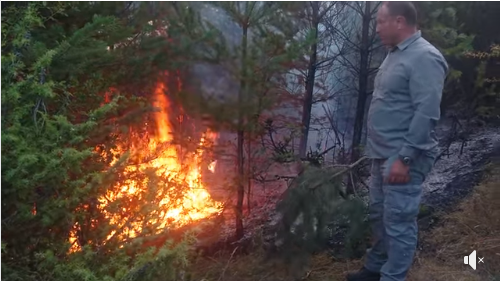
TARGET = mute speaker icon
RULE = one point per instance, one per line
(471, 259)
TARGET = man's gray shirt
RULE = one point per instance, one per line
(406, 100)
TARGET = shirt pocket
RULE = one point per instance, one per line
(395, 81)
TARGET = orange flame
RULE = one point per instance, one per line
(196, 203)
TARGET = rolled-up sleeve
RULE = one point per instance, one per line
(426, 83)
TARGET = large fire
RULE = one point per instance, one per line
(193, 204)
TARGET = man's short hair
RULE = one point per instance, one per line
(405, 9)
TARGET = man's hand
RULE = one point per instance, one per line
(399, 173)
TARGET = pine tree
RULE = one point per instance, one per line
(58, 135)
(487, 95)
(265, 50)
(441, 26)
(311, 211)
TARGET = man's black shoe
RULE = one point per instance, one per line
(363, 275)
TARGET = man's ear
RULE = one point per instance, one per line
(400, 22)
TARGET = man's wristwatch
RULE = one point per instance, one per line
(405, 159)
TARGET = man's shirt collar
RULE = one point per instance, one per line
(407, 42)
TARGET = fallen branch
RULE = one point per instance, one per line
(343, 171)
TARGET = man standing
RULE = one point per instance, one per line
(401, 141)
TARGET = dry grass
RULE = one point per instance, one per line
(253, 268)
(474, 225)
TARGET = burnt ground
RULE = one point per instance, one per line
(454, 177)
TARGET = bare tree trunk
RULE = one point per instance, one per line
(364, 52)
(362, 83)
(241, 187)
(311, 74)
(249, 171)
(241, 134)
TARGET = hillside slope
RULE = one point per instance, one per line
(473, 224)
